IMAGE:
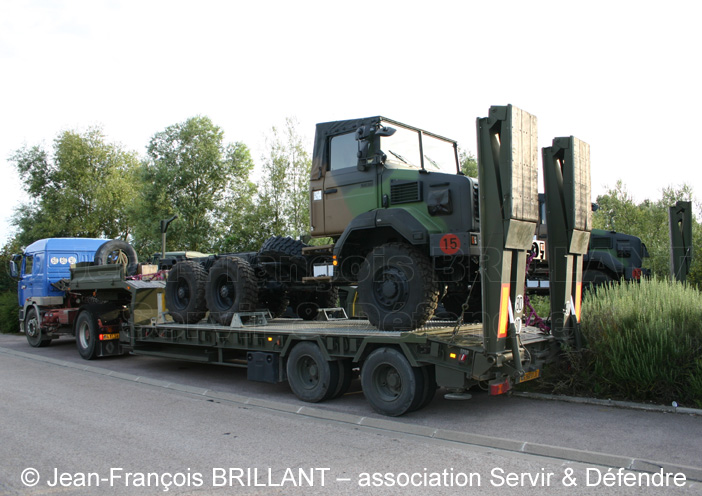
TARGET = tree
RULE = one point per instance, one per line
(189, 171)
(468, 163)
(83, 189)
(284, 190)
(649, 221)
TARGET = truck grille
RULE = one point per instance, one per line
(405, 192)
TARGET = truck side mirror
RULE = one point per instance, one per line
(14, 273)
(364, 136)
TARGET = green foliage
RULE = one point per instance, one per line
(541, 305)
(83, 189)
(644, 344)
(468, 163)
(192, 173)
(8, 290)
(9, 320)
(649, 221)
(284, 190)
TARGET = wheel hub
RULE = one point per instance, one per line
(224, 291)
(393, 380)
(32, 328)
(391, 288)
(182, 292)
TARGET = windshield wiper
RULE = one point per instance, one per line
(399, 156)
(432, 162)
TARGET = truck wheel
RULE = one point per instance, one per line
(275, 301)
(328, 298)
(86, 329)
(185, 292)
(311, 377)
(345, 378)
(391, 385)
(117, 251)
(397, 287)
(35, 336)
(231, 289)
(307, 310)
(453, 304)
(430, 386)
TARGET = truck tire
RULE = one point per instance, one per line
(390, 384)
(275, 301)
(87, 331)
(288, 252)
(231, 289)
(453, 304)
(185, 292)
(397, 287)
(307, 310)
(32, 329)
(117, 251)
(345, 378)
(311, 377)
(430, 386)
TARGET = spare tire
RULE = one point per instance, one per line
(185, 292)
(118, 251)
(232, 288)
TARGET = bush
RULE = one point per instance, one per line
(9, 311)
(646, 341)
(644, 344)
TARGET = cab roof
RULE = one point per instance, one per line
(65, 244)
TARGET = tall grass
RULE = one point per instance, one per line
(645, 343)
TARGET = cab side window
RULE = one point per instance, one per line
(343, 151)
(28, 264)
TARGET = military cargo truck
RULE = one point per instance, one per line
(404, 220)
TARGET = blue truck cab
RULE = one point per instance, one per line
(46, 262)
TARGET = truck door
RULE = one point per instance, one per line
(28, 278)
(347, 191)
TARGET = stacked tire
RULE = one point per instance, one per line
(230, 287)
(292, 265)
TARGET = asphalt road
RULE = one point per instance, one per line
(194, 425)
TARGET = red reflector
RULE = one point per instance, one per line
(636, 274)
(501, 388)
(504, 312)
(578, 299)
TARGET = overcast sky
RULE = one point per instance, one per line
(623, 76)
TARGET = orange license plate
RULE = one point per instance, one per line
(528, 376)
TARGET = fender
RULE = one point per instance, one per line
(604, 259)
(394, 220)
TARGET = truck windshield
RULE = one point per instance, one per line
(403, 150)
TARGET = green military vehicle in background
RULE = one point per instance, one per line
(611, 256)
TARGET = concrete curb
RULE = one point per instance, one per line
(615, 403)
(386, 424)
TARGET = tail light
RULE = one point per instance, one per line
(499, 388)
